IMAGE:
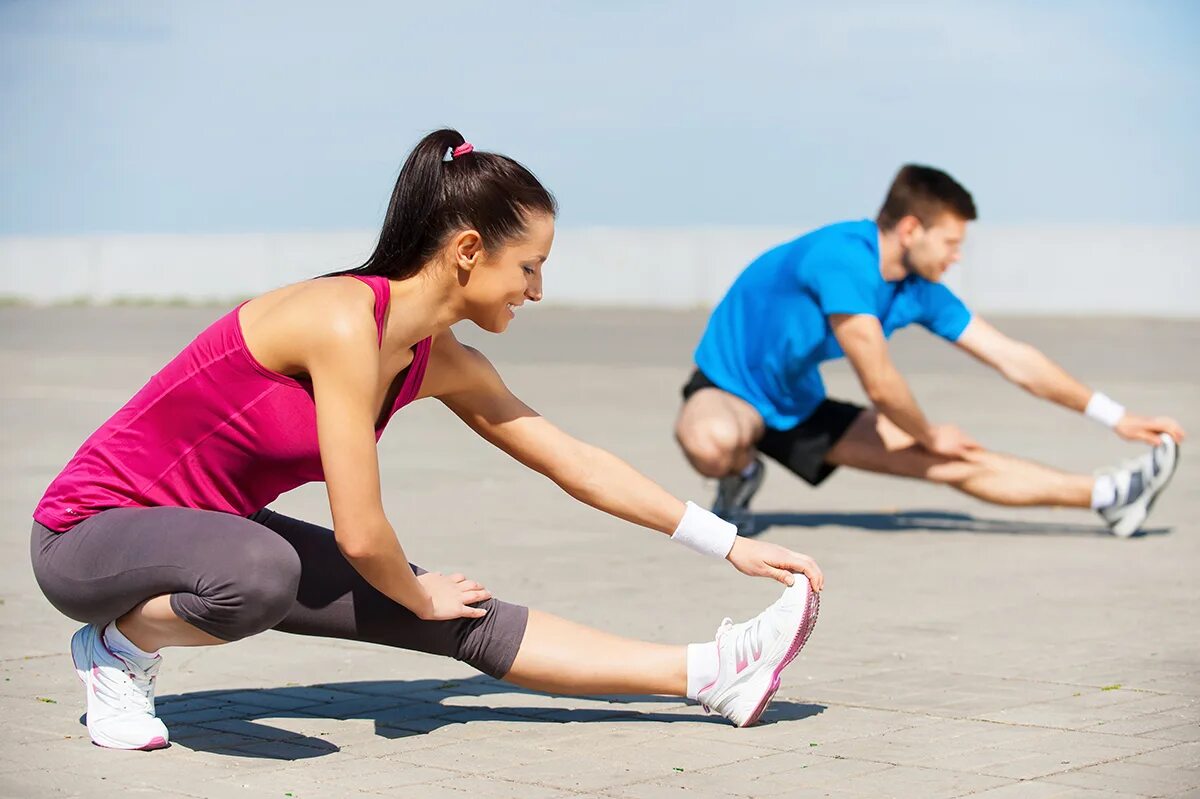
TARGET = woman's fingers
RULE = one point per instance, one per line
(808, 567)
(784, 570)
(478, 595)
(780, 575)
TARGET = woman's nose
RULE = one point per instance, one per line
(533, 289)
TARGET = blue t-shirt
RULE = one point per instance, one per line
(767, 337)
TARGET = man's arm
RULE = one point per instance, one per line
(861, 338)
(1029, 368)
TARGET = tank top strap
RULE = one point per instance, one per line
(383, 295)
(416, 373)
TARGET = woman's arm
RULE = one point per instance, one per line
(341, 356)
(472, 389)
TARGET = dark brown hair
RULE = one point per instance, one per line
(434, 196)
(926, 193)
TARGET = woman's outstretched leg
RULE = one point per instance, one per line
(558, 656)
(736, 674)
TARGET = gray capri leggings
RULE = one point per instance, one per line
(232, 577)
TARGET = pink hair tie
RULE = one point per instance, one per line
(462, 149)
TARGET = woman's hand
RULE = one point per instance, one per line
(450, 597)
(762, 559)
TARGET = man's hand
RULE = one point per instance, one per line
(950, 442)
(763, 559)
(1148, 428)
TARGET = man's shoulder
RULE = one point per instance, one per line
(852, 246)
(843, 247)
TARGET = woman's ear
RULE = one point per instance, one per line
(467, 249)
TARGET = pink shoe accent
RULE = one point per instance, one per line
(743, 657)
(812, 606)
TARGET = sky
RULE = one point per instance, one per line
(211, 117)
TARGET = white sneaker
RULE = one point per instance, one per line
(1138, 486)
(753, 654)
(120, 694)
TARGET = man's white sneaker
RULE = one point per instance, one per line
(753, 654)
(120, 694)
(1138, 486)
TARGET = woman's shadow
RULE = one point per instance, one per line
(231, 721)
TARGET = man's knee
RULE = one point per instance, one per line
(710, 445)
(958, 472)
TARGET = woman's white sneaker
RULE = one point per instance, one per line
(120, 693)
(753, 654)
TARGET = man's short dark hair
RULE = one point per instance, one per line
(926, 193)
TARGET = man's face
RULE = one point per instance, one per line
(930, 251)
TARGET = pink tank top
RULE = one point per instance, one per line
(214, 429)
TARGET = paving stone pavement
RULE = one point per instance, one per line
(962, 649)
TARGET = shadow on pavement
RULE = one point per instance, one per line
(932, 521)
(232, 721)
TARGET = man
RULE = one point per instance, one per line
(842, 290)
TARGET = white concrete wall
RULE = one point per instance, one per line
(1152, 271)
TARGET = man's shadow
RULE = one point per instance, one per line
(232, 721)
(932, 521)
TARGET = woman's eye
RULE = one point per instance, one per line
(528, 270)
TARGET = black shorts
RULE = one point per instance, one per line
(802, 448)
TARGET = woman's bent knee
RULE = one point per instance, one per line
(256, 592)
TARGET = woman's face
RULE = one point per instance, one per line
(501, 281)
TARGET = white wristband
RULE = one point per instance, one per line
(704, 532)
(1104, 410)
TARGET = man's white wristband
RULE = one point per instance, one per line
(1104, 410)
(705, 532)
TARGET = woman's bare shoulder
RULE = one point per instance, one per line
(454, 367)
(282, 326)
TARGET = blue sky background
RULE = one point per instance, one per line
(276, 116)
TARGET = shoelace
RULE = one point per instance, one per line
(1149, 463)
(111, 688)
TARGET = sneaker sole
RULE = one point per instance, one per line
(85, 676)
(812, 606)
(1166, 482)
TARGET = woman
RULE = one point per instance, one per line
(156, 533)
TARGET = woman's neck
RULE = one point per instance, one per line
(421, 306)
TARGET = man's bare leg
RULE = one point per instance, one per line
(876, 444)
